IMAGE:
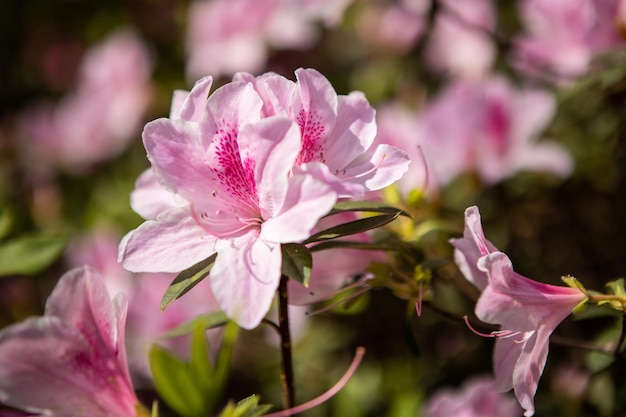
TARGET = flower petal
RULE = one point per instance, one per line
(354, 130)
(191, 106)
(472, 246)
(149, 198)
(72, 361)
(245, 278)
(378, 169)
(171, 243)
(307, 200)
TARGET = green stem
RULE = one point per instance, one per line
(286, 373)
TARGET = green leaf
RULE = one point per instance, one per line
(174, 383)
(369, 206)
(29, 255)
(297, 262)
(193, 388)
(205, 321)
(186, 280)
(353, 227)
(350, 244)
(248, 407)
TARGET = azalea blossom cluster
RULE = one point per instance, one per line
(255, 166)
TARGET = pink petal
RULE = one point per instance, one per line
(245, 278)
(171, 243)
(354, 130)
(471, 247)
(273, 144)
(307, 200)
(192, 107)
(71, 364)
(529, 368)
(149, 198)
(377, 169)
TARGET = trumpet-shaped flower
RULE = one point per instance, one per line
(528, 312)
(229, 168)
(72, 361)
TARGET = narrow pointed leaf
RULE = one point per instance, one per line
(356, 245)
(297, 262)
(186, 280)
(248, 407)
(354, 227)
(369, 206)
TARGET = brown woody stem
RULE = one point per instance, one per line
(286, 372)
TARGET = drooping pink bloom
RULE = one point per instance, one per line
(96, 121)
(562, 36)
(146, 323)
(227, 36)
(490, 127)
(476, 398)
(528, 312)
(460, 43)
(337, 132)
(471, 247)
(229, 170)
(72, 361)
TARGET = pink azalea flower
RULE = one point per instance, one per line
(460, 43)
(475, 398)
(146, 323)
(72, 361)
(528, 312)
(226, 36)
(471, 247)
(490, 127)
(96, 121)
(562, 36)
(337, 132)
(228, 170)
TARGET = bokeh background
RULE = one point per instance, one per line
(517, 106)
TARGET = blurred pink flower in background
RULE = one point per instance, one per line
(400, 126)
(72, 361)
(562, 36)
(460, 43)
(491, 127)
(476, 398)
(97, 120)
(393, 26)
(146, 323)
(228, 36)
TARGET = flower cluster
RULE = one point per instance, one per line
(254, 166)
